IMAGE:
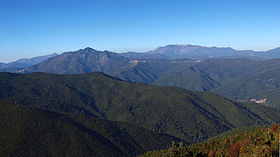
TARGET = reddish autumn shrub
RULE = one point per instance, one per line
(219, 152)
(211, 153)
(233, 150)
(273, 128)
(263, 129)
(203, 146)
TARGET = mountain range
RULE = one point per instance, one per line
(63, 107)
(197, 52)
(23, 63)
(215, 75)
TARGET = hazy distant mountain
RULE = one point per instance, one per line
(90, 60)
(136, 55)
(201, 52)
(193, 51)
(274, 53)
(81, 61)
(206, 75)
(22, 63)
(120, 65)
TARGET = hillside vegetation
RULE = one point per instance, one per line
(261, 85)
(191, 116)
(26, 131)
(261, 142)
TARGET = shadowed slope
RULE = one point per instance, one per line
(189, 115)
(32, 132)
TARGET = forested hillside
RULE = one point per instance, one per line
(261, 142)
(26, 131)
(191, 116)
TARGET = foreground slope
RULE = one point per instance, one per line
(27, 131)
(192, 116)
(261, 142)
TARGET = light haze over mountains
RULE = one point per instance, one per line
(201, 52)
(223, 71)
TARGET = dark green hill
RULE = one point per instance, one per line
(264, 84)
(209, 74)
(191, 116)
(29, 132)
(149, 70)
(190, 78)
(237, 79)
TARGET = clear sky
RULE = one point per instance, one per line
(33, 28)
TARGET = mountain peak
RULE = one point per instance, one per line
(88, 49)
(180, 45)
(81, 61)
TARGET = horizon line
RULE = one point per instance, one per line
(144, 50)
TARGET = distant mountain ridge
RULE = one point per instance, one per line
(81, 61)
(214, 75)
(25, 62)
(89, 60)
(202, 52)
(169, 52)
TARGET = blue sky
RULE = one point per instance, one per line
(33, 28)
